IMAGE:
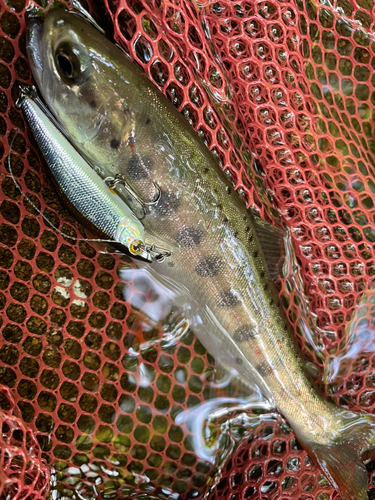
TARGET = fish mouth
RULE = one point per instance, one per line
(34, 47)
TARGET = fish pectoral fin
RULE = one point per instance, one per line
(271, 241)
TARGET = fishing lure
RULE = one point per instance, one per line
(85, 192)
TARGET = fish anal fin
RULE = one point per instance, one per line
(271, 240)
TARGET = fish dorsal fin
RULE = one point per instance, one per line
(272, 245)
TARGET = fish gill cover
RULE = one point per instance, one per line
(290, 113)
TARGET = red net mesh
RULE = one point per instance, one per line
(290, 115)
(23, 475)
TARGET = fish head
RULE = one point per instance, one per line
(75, 71)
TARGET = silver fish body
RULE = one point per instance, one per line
(79, 183)
(220, 268)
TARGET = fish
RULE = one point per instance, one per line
(80, 186)
(225, 258)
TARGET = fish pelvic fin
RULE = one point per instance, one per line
(342, 461)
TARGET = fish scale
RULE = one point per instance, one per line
(200, 228)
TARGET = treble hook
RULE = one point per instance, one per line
(25, 91)
(119, 179)
(154, 254)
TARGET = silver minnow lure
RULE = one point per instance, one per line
(80, 184)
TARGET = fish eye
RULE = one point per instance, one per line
(65, 65)
(72, 64)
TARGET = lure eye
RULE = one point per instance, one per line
(72, 63)
(65, 65)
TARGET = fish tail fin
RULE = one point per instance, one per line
(342, 461)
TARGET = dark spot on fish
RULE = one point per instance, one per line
(244, 217)
(255, 254)
(93, 104)
(251, 238)
(189, 237)
(229, 190)
(271, 302)
(138, 167)
(235, 234)
(262, 274)
(148, 121)
(265, 287)
(239, 361)
(171, 264)
(220, 206)
(206, 170)
(167, 204)
(227, 299)
(286, 328)
(247, 229)
(225, 219)
(115, 144)
(209, 266)
(264, 369)
(244, 333)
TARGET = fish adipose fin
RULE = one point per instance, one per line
(271, 240)
(342, 462)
